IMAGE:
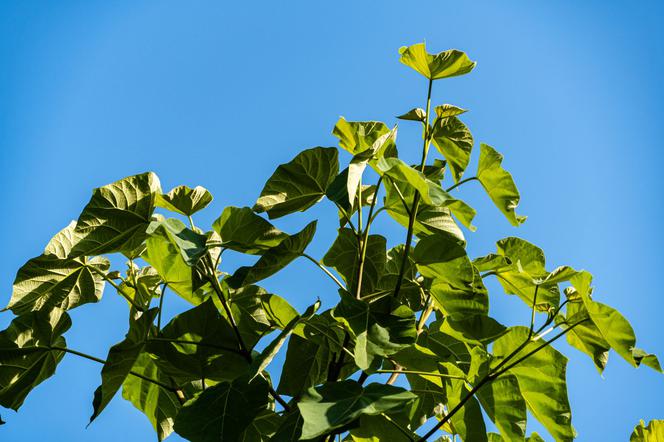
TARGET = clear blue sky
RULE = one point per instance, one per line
(218, 94)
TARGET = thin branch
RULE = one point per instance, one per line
(279, 399)
(161, 305)
(421, 373)
(365, 240)
(473, 178)
(324, 269)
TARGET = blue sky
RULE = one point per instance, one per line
(212, 94)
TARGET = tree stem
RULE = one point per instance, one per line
(472, 178)
(117, 288)
(324, 269)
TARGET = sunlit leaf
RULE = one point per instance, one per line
(185, 200)
(498, 183)
(444, 64)
(117, 216)
(654, 432)
(242, 230)
(454, 141)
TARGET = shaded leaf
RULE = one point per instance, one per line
(359, 136)
(223, 411)
(442, 256)
(343, 255)
(242, 230)
(121, 359)
(25, 358)
(454, 141)
(504, 404)
(336, 404)
(416, 114)
(448, 110)
(299, 184)
(274, 259)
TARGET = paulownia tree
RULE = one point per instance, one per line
(419, 310)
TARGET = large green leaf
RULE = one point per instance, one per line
(224, 411)
(406, 180)
(117, 216)
(445, 64)
(498, 183)
(410, 292)
(613, 326)
(461, 302)
(121, 359)
(586, 337)
(442, 256)
(344, 253)
(381, 328)
(379, 428)
(299, 184)
(47, 282)
(336, 404)
(63, 241)
(429, 220)
(504, 404)
(306, 365)
(257, 312)
(359, 136)
(158, 404)
(25, 358)
(468, 422)
(518, 265)
(455, 142)
(185, 200)
(274, 259)
(197, 344)
(654, 432)
(244, 231)
(541, 380)
(173, 250)
(262, 428)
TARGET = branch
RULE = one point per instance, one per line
(119, 289)
(323, 268)
(461, 182)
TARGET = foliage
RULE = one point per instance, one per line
(419, 309)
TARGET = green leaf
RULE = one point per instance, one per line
(63, 241)
(158, 404)
(306, 365)
(359, 136)
(450, 63)
(223, 411)
(173, 250)
(261, 361)
(527, 265)
(442, 256)
(586, 337)
(48, 282)
(474, 330)
(461, 302)
(542, 381)
(448, 110)
(262, 428)
(257, 312)
(299, 184)
(429, 220)
(499, 184)
(416, 114)
(120, 360)
(468, 421)
(654, 432)
(410, 291)
(196, 344)
(343, 255)
(454, 141)
(381, 328)
(185, 200)
(504, 404)
(23, 366)
(274, 259)
(117, 216)
(613, 326)
(431, 193)
(336, 404)
(244, 231)
(380, 428)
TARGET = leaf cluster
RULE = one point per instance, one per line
(419, 310)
